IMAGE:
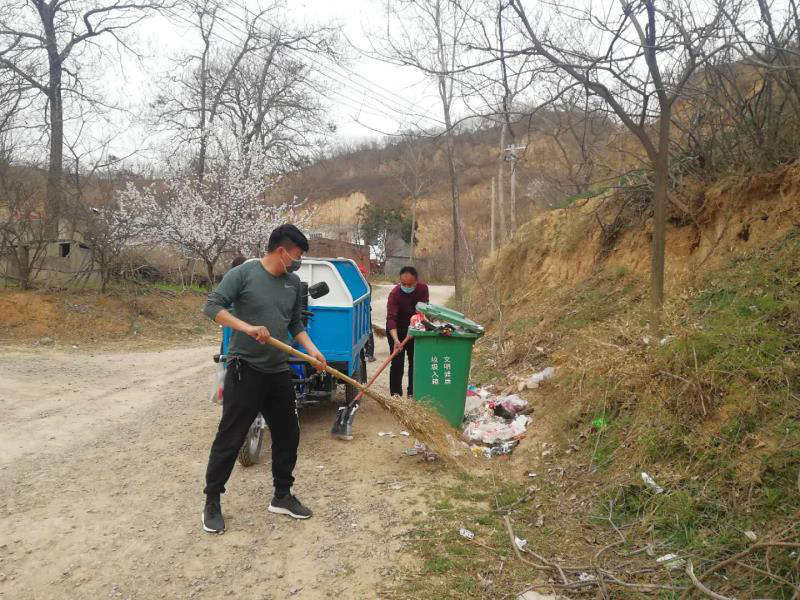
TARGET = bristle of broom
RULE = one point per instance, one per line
(379, 331)
(428, 427)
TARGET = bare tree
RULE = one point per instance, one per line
(637, 60)
(426, 35)
(23, 245)
(46, 43)
(255, 91)
(414, 177)
(579, 130)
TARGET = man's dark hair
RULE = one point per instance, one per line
(287, 236)
(237, 261)
(411, 270)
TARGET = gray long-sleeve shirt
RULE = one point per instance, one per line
(259, 298)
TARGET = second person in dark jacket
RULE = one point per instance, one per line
(399, 310)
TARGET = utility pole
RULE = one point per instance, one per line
(492, 247)
(510, 154)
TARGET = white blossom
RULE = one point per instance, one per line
(226, 210)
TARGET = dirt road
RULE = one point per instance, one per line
(102, 457)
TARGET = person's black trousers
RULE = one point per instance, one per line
(246, 393)
(398, 366)
(369, 347)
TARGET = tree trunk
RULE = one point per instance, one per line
(210, 271)
(55, 169)
(661, 170)
(413, 228)
(201, 153)
(492, 220)
(451, 168)
(501, 238)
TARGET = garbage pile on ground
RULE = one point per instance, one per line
(494, 424)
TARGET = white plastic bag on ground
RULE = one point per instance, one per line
(473, 403)
(534, 380)
(494, 430)
(512, 403)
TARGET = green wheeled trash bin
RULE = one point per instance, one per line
(442, 361)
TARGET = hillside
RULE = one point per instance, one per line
(711, 411)
(337, 186)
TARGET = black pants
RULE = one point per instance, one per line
(369, 347)
(248, 392)
(398, 366)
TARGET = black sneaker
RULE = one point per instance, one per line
(371, 359)
(212, 516)
(289, 505)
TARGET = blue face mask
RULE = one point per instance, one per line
(408, 290)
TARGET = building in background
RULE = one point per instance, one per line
(322, 247)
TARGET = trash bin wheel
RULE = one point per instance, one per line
(251, 448)
(360, 375)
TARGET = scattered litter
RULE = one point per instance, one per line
(534, 380)
(493, 430)
(651, 483)
(385, 434)
(671, 561)
(751, 535)
(540, 521)
(493, 423)
(294, 591)
(466, 533)
(666, 340)
(531, 474)
(586, 577)
(411, 451)
(496, 450)
(420, 448)
(520, 543)
(404, 433)
(320, 467)
(646, 340)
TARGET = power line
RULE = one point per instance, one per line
(410, 108)
(393, 96)
(361, 104)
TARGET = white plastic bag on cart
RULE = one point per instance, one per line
(218, 383)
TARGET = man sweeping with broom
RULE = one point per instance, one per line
(266, 299)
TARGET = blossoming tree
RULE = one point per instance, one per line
(225, 210)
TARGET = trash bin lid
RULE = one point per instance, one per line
(448, 315)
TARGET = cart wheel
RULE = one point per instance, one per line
(251, 449)
(360, 375)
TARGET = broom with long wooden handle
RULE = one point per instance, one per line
(343, 425)
(425, 424)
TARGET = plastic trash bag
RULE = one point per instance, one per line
(218, 384)
(534, 380)
(493, 430)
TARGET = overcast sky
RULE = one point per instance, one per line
(369, 97)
